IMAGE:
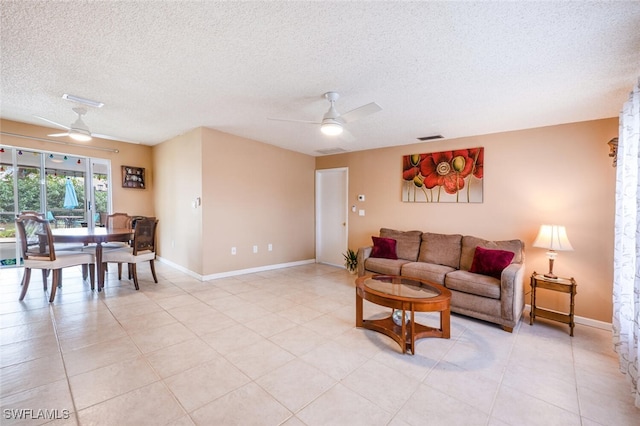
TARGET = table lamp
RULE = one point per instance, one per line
(553, 238)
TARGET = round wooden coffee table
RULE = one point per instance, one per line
(410, 295)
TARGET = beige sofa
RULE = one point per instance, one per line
(447, 260)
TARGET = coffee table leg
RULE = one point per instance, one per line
(404, 333)
(445, 323)
(413, 332)
(359, 322)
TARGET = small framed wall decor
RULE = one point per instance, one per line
(133, 177)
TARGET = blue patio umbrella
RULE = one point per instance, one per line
(70, 197)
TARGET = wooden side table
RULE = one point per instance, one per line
(563, 285)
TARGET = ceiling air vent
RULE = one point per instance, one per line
(331, 151)
(430, 138)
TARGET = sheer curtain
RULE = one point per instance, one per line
(626, 259)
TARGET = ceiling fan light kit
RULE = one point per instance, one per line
(331, 127)
(79, 135)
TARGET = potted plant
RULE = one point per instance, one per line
(351, 260)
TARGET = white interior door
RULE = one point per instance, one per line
(331, 215)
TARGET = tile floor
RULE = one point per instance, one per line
(280, 347)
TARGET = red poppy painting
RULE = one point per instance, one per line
(443, 177)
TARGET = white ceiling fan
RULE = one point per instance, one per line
(332, 122)
(78, 130)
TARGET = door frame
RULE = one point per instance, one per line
(345, 207)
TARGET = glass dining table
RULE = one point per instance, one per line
(96, 236)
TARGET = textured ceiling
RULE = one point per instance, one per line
(163, 68)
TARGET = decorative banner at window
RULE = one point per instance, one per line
(443, 177)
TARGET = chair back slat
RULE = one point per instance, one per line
(31, 212)
(144, 237)
(118, 220)
(36, 240)
(135, 219)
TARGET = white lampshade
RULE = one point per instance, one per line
(331, 127)
(553, 237)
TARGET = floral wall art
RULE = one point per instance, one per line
(443, 177)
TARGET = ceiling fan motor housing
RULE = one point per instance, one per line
(78, 130)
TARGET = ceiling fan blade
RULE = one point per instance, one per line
(346, 136)
(295, 121)
(113, 138)
(360, 112)
(57, 135)
(52, 122)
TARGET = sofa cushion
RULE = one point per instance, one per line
(468, 282)
(490, 262)
(441, 249)
(384, 248)
(383, 266)
(407, 242)
(470, 243)
(426, 271)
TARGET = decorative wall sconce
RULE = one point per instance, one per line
(613, 150)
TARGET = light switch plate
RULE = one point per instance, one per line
(361, 213)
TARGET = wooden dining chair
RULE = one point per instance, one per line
(38, 252)
(117, 221)
(142, 249)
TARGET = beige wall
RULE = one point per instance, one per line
(178, 184)
(559, 174)
(131, 201)
(252, 194)
(256, 194)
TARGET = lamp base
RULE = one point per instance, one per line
(551, 254)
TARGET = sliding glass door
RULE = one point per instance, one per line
(54, 185)
(99, 191)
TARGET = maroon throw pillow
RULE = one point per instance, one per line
(490, 262)
(384, 248)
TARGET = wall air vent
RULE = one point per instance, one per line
(430, 138)
(330, 151)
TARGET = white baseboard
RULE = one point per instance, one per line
(179, 268)
(257, 269)
(236, 272)
(585, 321)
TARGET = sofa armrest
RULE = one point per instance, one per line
(363, 254)
(512, 291)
